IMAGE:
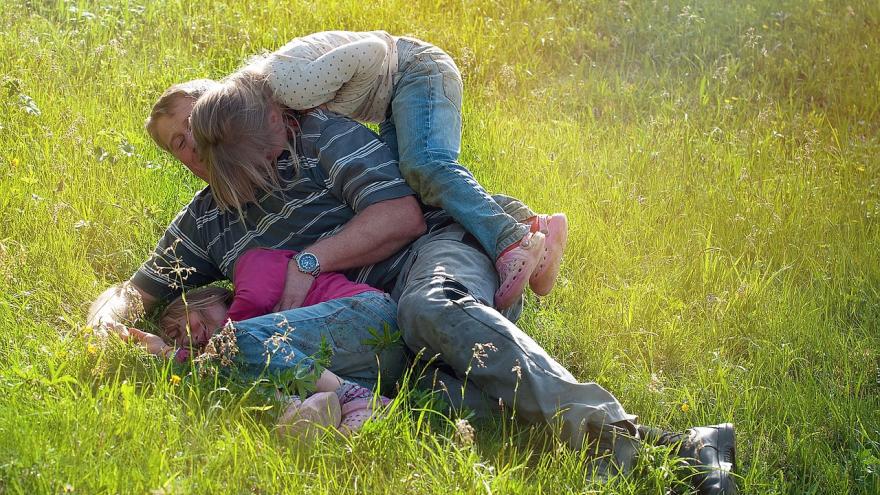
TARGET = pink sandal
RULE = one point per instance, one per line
(555, 228)
(357, 406)
(358, 411)
(515, 265)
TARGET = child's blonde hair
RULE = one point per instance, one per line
(230, 127)
(189, 89)
(196, 299)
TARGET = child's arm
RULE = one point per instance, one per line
(302, 84)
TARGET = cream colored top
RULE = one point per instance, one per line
(350, 72)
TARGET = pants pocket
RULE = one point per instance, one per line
(437, 64)
(453, 88)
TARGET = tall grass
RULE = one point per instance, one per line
(718, 162)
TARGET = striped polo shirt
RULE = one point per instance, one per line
(340, 168)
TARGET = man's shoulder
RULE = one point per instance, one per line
(202, 206)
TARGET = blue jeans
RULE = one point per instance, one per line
(423, 127)
(276, 342)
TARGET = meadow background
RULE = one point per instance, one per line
(719, 163)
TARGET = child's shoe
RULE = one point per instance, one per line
(555, 228)
(515, 265)
(307, 418)
(357, 406)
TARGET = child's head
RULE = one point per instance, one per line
(204, 313)
(239, 131)
(168, 123)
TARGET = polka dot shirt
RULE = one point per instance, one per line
(350, 72)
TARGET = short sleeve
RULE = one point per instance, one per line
(179, 262)
(359, 168)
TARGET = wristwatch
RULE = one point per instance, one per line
(307, 263)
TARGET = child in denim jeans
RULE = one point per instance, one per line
(414, 90)
(265, 345)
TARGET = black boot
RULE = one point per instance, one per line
(615, 446)
(711, 450)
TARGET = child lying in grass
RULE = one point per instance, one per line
(335, 309)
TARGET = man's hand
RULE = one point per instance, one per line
(296, 286)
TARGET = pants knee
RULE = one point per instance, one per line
(424, 315)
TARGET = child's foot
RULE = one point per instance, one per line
(515, 265)
(357, 406)
(555, 228)
(307, 418)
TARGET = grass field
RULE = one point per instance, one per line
(719, 163)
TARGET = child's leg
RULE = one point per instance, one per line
(515, 208)
(426, 120)
(425, 128)
(277, 342)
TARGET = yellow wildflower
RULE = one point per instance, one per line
(685, 407)
(175, 379)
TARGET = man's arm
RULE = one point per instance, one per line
(374, 234)
(362, 173)
(117, 307)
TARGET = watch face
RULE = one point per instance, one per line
(307, 262)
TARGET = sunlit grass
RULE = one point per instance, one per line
(718, 163)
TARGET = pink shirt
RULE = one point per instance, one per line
(259, 278)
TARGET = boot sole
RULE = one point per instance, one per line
(727, 436)
(723, 482)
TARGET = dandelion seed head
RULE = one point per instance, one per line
(517, 370)
(222, 347)
(480, 354)
(508, 76)
(464, 433)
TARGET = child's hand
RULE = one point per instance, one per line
(106, 328)
(153, 343)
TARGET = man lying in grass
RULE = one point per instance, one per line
(341, 198)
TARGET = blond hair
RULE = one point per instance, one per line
(195, 300)
(230, 125)
(163, 106)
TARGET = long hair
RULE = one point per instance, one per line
(230, 126)
(190, 89)
(196, 299)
